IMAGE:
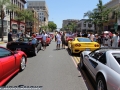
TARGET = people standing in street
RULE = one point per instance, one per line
(115, 40)
(63, 39)
(44, 38)
(58, 37)
(91, 37)
(10, 36)
(107, 41)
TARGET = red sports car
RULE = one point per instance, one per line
(68, 38)
(39, 37)
(10, 63)
(51, 35)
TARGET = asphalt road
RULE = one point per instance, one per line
(52, 69)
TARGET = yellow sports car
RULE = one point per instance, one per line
(79, 44)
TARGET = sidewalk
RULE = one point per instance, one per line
(5, 40)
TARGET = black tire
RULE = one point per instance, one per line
(71, 52)
(35, 51)
(101, 83)
(22, 63)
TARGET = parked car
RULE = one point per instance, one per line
(79, 44)
(104, 66)
(11, 62)
(26, 44)
(68, 38)
(39, 37)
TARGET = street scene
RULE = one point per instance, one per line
(39, 53)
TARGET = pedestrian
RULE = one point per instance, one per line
(63, 39)
(91, 37)
(10, 36)
(55, 36)
(44, 39)
(115, 40)
(58, 37)
(107, 41)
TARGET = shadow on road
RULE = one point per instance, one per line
(90, 83)
(75, 54)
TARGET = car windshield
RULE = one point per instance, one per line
(117, 57)
(24, 39)
(84, 40)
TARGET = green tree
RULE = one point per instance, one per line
(7, 5)
(52, 26)
(26, 15)
(98, 16)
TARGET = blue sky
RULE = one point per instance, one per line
(60, 10)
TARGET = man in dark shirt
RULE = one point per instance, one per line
(10, 36)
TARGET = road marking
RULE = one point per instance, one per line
(76, 60)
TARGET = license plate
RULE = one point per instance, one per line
(87, 49)
(18, 49)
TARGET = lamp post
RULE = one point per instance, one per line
(11, 16)
(30, 28)
(2, 20)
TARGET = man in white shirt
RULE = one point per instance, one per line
(115, 40)
(58, 37)
(44, 39)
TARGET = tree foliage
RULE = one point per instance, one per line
(52, 26)
(98, 16)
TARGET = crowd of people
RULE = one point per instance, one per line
(104, 39)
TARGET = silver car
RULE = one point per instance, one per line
(104, 66)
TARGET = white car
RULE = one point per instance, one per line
(104, 66)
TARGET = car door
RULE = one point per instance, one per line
(7, 62)
(92, 63)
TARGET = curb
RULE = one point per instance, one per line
(2, 42)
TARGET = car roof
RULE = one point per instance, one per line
(111, 50)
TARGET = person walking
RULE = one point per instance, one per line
(115, 40)
(58, 38)
(44, 39)
(63, 39)
(10, 36)
(107, 41)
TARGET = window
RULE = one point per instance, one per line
(4, 52)
(102, 59)
(97, 55)
(84, 40)
(117, 57)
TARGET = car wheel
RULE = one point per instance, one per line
(82, 66)
(71, 51)
(101, 84)
(22, 64)
(36, 51)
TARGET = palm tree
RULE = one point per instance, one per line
(98, 16)
(25, 14)
(4, 4)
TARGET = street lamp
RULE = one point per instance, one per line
(30, 28)
(2, 19)
(11, 16)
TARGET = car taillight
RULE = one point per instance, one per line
(96, 45)
(77, 45)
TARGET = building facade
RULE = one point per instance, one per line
(68, 21)
(85, 27)
(42, 9)
(109, 26)
(33, 26)
(14, 24)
